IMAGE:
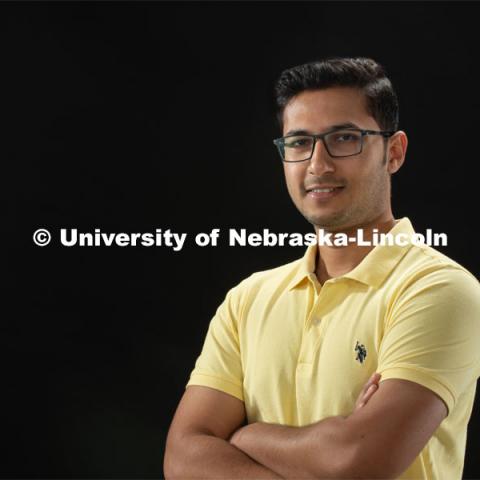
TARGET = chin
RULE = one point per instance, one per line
(331, 222)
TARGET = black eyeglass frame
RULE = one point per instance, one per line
(321, 136)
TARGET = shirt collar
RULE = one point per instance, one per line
(372, 270)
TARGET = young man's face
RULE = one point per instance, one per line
(364, 179)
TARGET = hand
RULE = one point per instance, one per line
(367, 391)
(236, 435)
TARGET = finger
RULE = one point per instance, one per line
(370, 388)
(369, 394)
(366, 386)
(374, 378)
(363, 400)
(363, 397)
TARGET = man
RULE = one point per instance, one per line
(283, 386)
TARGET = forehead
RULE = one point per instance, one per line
(318, 110)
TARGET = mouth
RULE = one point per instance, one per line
(323, 192)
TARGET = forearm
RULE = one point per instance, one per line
(206, 456)
(320, 450)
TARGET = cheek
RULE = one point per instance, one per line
(365, 172)
(371, 183)
(294, 174)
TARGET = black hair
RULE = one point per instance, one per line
(360, 72)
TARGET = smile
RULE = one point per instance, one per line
(324, 193)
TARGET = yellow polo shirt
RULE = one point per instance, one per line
(296, 352)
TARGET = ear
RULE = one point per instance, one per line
(397, 148)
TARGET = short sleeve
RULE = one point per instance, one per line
(219, 364)
(432, 334)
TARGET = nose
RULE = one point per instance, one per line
(321, 161)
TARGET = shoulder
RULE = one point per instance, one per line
(433, 290)
(425, 267)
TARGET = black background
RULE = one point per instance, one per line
(108, 110)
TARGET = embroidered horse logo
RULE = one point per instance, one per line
(361, 352)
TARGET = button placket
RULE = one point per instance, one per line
(338, 287)
(313, 329)
(319, 320)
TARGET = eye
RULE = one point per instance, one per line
(298, 142)
(345, 137)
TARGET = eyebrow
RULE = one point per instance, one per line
(332, 127)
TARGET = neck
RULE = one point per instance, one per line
(335, 261)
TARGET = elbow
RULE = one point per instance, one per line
(183, 455)
(170, 465)
(173, 460)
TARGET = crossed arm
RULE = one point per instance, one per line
(390, 424)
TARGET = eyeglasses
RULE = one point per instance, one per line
(343, 142)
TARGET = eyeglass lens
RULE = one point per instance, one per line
(339, 144)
